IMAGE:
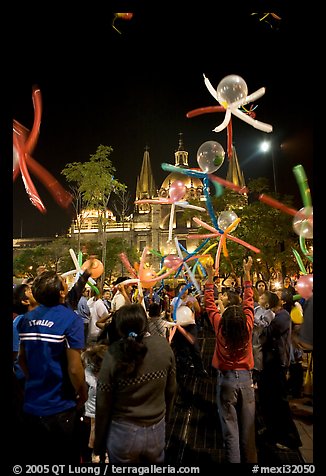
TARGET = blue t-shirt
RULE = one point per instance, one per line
(46, 333)
(15, 347)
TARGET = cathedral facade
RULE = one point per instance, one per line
(149, 224)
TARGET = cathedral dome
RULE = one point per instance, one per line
(194, 184)
(188, 181)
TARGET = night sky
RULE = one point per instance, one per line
(133, 90)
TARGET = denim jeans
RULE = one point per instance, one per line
(236, 408)
(129, 443)
(52, 438)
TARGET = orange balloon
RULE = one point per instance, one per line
(96, 269)
(147, 275)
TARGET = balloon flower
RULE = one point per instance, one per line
(145, 277)
(24, 143)
(222, 243)
(176, 192)
(232, 93)
(210, 157)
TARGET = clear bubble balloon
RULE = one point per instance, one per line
(210, 156)
(177, 190)
(231, 89)
(226, 218)
(304, 286)
(303, 222)
(185, 316)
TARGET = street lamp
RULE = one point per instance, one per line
(265, 147)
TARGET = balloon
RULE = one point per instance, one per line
(206, 260)
(122, 16)
(190, 273)
(97, 267)
(302, 181)
(15, 162)
(303, 222)
(231, 89)
(304, 286)
(148, 274)
(210, 156)
(299, 261)
(226, 218)
(127, 264)
(185, 316)
(78, 271)
(276, 204)
(24, 142)
(204, 110)
(232, 93)
(216, 233)
(171, 261)
(177, 190)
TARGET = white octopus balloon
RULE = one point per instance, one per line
(231, 93)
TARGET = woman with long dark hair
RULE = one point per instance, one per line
(233, 359)
(135, 391)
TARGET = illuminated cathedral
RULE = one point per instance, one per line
(148, 225)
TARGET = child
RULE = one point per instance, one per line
(156, 323)
(92, 359)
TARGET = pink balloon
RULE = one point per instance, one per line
(304, 286)
(171, 261)
(177, 190)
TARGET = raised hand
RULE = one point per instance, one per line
(246, 268)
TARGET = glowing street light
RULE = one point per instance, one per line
(265, 147)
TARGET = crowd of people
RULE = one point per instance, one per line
(113, 359)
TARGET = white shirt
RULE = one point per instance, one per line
(97, 309)
(117, 301)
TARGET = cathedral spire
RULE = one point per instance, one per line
(234, 173)
(145, 187)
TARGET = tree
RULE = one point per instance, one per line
(121, 204)
(113, 264)
(94, 182)
(25, 262)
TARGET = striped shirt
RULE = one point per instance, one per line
(46, 333)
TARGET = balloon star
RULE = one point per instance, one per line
(232, 93)
(222, 243)
(205, 176)
(177, 191)
(23, 146)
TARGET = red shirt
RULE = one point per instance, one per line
(221, 359)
